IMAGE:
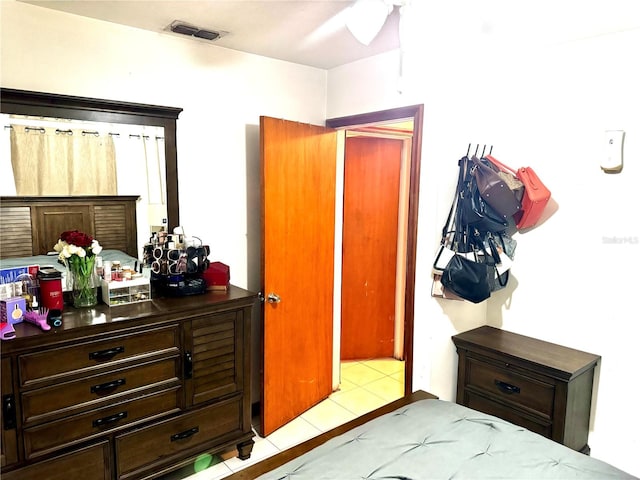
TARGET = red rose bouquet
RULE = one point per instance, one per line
(78, 251)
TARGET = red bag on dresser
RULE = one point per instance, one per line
(536, 195)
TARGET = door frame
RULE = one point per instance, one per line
(415, 112)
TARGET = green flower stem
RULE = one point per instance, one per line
(83, 282)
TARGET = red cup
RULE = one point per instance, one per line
(51, 288)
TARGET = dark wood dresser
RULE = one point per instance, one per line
(128, 392)
(535, 384)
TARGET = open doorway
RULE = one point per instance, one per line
(373, 260)
(404, 126)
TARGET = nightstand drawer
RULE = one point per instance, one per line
(483, 404)
(509, 386)
(190, 432)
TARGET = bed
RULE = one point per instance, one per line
(421, 437)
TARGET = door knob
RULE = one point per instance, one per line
(273, 298)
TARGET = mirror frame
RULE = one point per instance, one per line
(24, 102)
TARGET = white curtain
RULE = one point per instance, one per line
(141, 171)
(62, 161)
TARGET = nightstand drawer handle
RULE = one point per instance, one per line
(507, 387)
(185, 434)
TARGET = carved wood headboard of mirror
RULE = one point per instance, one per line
(22, 102)
(32, 225)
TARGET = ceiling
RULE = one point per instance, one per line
(307, 32)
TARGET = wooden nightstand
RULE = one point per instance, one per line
(535, 384)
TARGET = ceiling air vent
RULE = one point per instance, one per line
(192, 31)
(206, 34)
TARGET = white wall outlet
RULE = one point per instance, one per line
(612, 160)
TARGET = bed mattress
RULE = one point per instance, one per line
(435, 439)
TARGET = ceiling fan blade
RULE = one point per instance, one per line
(366, 18)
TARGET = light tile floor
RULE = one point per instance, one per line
(365, 385)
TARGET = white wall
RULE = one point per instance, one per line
(542, 101)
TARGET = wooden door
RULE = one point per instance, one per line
(298, 218)
(369, 246)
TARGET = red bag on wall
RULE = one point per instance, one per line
(535, 198)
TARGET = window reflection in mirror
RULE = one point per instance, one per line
(45, 156)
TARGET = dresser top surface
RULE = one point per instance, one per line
(556, 357)
(102, 317)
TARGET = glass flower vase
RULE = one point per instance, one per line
(84, 285)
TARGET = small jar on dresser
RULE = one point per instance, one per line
(544, 387)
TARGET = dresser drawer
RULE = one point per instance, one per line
(166, 440)
(483, 404)
(61, 433)
(510, 386)
(86, 357)
(89, 463)
(92, 392)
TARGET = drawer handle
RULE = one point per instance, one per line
(9, 412)
(188, 365)
(507, 387)
(107, 420)
(107, 387)
(105, 354)
(185, 434)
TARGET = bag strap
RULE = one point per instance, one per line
(500, 278)
(494, 249)
(504, 278)
(451, 223)
(500, 165)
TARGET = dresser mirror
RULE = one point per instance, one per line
(159, 120)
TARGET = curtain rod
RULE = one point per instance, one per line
(84, 132)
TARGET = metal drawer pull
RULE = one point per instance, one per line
(185, 434)
(188, 365)
(8, 412)
(507, 387)
(107, 420)
(107, 387)
(106, 354)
